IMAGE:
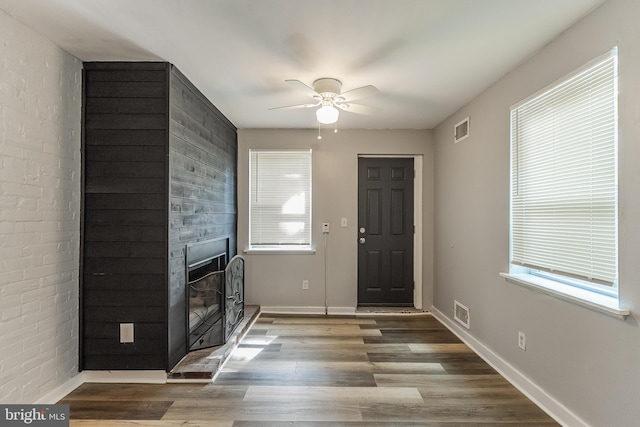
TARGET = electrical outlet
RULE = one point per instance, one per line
(325, 228)
(522, 341)
(126, 333)
(305, 284)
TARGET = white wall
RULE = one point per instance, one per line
(275, 280)
(40, 98)
(584, 360)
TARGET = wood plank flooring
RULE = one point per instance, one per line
(319, 371)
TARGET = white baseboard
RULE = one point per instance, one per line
(332, 311)
(342, 311)
(390, 313)
(336, 311)
(275, 309)
(540, 397)
(139, 377)
(60, 392)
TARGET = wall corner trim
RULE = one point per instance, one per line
(540, 397)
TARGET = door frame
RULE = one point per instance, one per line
(418, 164)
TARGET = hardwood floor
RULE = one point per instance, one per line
(318, 371)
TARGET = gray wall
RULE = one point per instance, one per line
(275, 280)
(584, 359)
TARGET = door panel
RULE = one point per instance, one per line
(398, 226)
(374, 212)
(385, 249)
(373, 274)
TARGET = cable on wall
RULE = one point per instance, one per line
(326, 296)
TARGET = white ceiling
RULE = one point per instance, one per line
(428, 58)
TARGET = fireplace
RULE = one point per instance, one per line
(215, 293)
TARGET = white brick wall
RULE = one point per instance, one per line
(40, 113)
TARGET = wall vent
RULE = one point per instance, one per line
(461, 130)
(461, 314)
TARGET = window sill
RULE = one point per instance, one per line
(602, 303)
(279, 251)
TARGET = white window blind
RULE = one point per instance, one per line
(280, 198)
(564, 176)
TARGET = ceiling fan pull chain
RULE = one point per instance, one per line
(319, 136)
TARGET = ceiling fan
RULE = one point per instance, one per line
(327, 94)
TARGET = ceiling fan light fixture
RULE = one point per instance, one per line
(327, 114)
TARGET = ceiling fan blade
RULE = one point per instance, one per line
(358, 108)
(297, 84)
(359, 93)
(292, 107)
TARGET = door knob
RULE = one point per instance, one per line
(362, 240)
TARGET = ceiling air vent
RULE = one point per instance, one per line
(461, 314)
(461, 130)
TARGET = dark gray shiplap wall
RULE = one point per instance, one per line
(203, 161)
(159, 172)
(124, 227)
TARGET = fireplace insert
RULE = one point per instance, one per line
(215, 292)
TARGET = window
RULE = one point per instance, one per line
(564, 181)
(280, 199)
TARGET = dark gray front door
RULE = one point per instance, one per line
(385, 231)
